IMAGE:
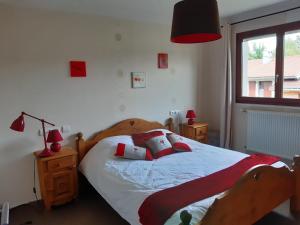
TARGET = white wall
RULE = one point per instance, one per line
(35, 49)
(213, 78)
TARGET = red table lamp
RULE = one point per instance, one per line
(19, 125)
(191, 115)
(54, 137)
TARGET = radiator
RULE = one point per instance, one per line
(4, 213)
(276, 133)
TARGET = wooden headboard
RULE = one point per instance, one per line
(125, 127)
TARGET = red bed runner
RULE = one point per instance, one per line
(160, 206)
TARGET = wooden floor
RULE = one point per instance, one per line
(91, 209)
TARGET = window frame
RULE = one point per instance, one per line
(279, 31)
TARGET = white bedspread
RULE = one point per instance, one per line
(125, 184)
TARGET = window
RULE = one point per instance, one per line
(258, 63)
(291, 72)
(268, 65)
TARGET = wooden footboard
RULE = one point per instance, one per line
(295, 200)
(256, 194)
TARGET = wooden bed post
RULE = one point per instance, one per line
(170, 124)
(295, 200)
(80, 142)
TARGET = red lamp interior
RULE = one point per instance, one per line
(54, 136)
(195, 38)
(18, 124)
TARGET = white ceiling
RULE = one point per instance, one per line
(145, 10)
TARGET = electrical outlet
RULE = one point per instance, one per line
(173, 113)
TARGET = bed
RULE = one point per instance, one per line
(125, 184)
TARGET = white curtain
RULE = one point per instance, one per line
(226, 110)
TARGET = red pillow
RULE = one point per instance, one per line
(160, 146)
(140, 139)
(178, 143)
(133, 152)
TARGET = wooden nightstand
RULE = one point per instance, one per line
(58, 177)
(197, 131)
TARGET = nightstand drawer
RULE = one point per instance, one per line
(202, 139)
(201, 131)
(196, 131)
(63, 184)
(61, 163)
(60, 185)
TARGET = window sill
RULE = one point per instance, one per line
(269, 101)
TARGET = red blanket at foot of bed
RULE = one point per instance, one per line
(160, 206)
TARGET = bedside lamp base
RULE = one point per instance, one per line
(46, 153)
(55, 147)
(191, 121)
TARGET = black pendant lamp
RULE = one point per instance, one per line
(196, 21)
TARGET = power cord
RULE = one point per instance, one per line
(178, 122)
(34, 183)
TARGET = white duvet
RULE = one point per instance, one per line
(125, 184)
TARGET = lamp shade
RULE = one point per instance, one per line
(18, 124)
(54, 136)
(196, 21)
(190, 114)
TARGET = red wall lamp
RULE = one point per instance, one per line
(196, 21)
(19, 125)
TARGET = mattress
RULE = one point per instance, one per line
(125, 184)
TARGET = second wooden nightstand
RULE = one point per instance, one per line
(58, 177)
(197, 131)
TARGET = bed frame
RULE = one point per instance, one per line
(257, 193)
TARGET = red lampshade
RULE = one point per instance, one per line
(195, 21)
(18, 124)
(190, 114)
(54, 136)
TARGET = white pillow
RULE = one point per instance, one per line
(133, 152)
(160, 146)
(165, 131)
(178, 143)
